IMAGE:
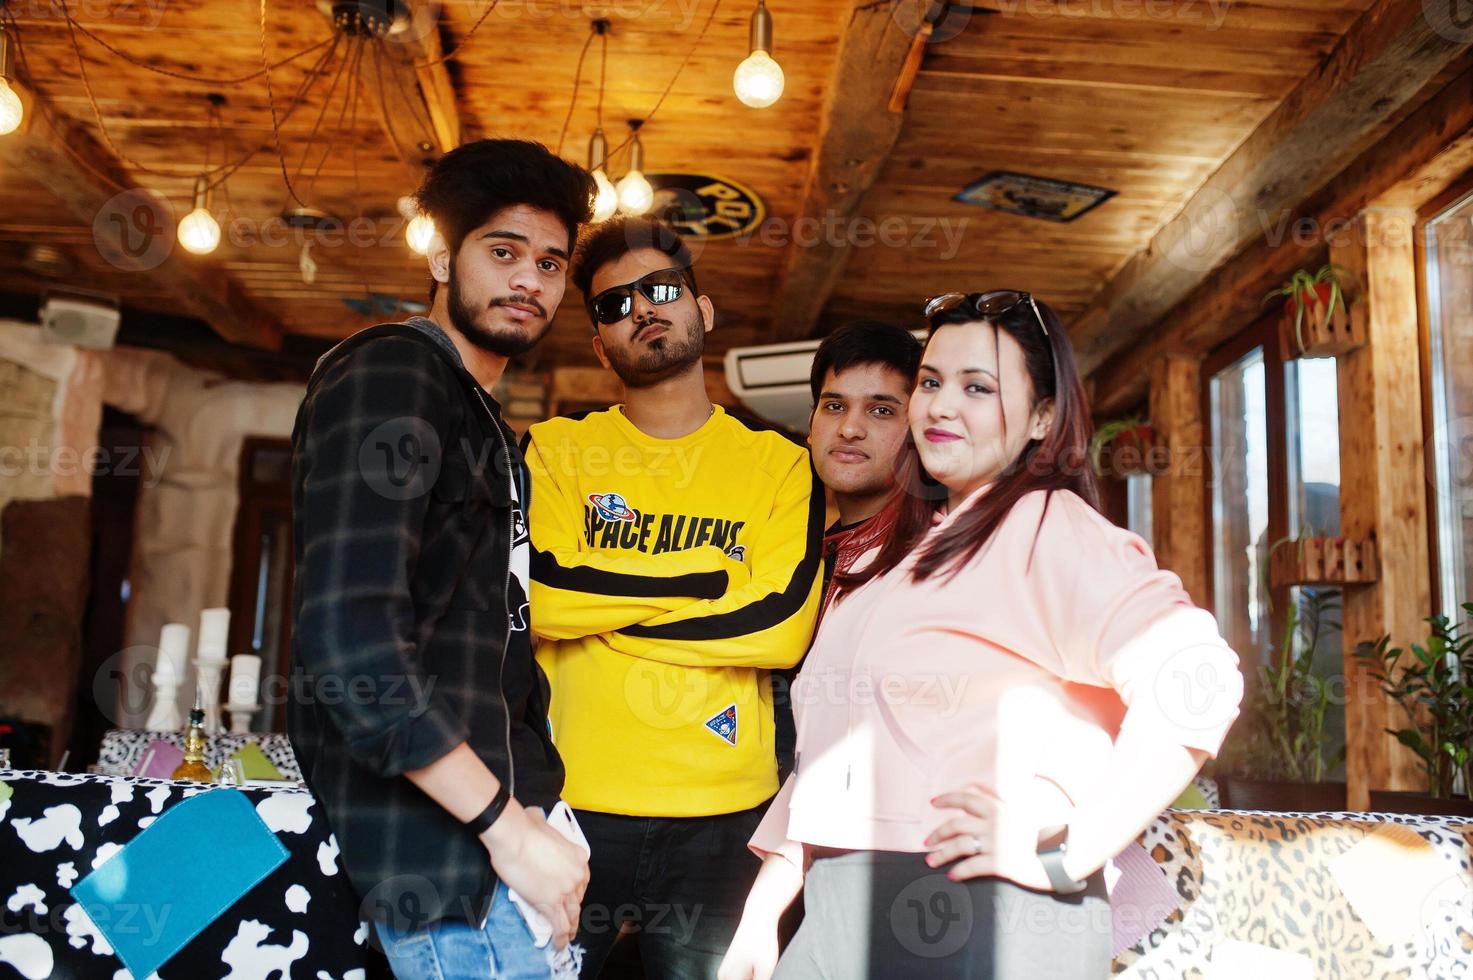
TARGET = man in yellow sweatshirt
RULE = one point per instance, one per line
(675, 561)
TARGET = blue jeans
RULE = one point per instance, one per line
(453, 949)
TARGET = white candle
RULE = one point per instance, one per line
(245, 679)
(214, 633)
(173, 651)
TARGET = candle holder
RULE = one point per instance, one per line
(164, 717)
(210, 674)
(240, 717)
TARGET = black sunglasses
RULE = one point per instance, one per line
(985, 306)
(617, 302)
(989, 306)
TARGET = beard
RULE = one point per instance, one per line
(504, 340)
(643, 365)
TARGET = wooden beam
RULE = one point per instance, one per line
(88, 182)
(1409, 166)
(1382, 490)
(412, 94)
(1179, 494)
(856, 136)
(1386, 57)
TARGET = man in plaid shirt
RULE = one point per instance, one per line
(417, 710)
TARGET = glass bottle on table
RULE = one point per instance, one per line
(193, 767)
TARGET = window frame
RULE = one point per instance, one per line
(1427, 212)
(1261, 333)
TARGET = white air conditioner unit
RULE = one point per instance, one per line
(772, 381)
(80, 320)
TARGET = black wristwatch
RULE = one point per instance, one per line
(479, 824)
(1053, 844)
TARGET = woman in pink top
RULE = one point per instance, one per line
(1007, 691)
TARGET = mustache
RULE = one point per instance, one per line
(655, 322)
(518, 299)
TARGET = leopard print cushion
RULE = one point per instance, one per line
(1264, 878)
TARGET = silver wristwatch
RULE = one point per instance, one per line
(1053, 844)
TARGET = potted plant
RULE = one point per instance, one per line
(1433, 683)
(1131, 447)
(1278, 755)
(1322, 324)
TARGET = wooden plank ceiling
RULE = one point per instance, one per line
(1143, 98)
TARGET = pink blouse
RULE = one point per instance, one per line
(1013, 680)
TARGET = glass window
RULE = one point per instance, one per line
(1313, 442)
(1138, 505)
(1450, 312)
(1311, 395)
(1240, 503)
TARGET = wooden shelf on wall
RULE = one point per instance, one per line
(1323, 561)
(1322, 332)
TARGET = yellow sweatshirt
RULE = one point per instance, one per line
(668, 577)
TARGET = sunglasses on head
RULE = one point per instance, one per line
(617, 302)
(985, 306)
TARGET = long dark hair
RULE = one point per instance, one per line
(1056, 462)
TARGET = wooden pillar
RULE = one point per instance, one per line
(1382, 489)
(1179, 494)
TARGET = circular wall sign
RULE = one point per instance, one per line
(704, 205)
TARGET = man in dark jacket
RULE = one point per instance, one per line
(417, 711)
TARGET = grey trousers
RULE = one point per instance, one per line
(889, 916)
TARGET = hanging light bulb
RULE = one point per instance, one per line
(606, 202)
(635, 193)
(759, 79)
(420, 231)
(12, 111)
(199, 232)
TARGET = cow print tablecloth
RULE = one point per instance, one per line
(299, 922)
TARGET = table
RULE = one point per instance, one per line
(301, 921)
(122, 749)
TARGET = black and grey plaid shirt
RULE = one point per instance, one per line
(410, 625)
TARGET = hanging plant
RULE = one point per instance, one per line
(1322, 321)
(1135, 434)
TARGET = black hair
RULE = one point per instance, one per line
(615, 239)
(866, 342)
(474, 181)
